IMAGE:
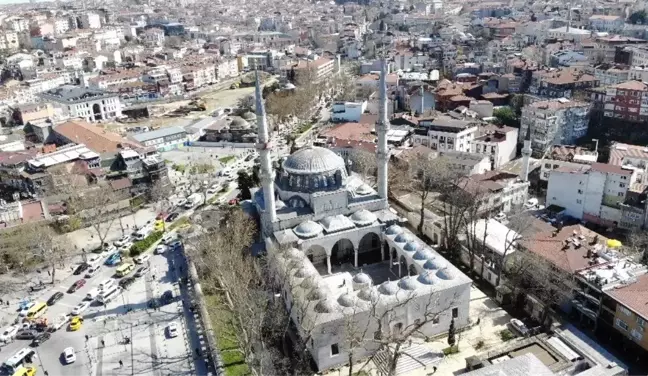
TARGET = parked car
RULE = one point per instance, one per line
(531, 203)
(172, 217)
(500, 216)
(9, 333)
(160, 249)
(40, 339)
(76, 285)
(124, 239)
(60, 322)
(126, 246)
(69, 355)
(519, 327)
(142, 258)
(172, 330)
(80, 308)
(26, 334)
(75, 323)
(55, 298)
(141, 271)
(81, 268)
(92, 271)
(167, 297)
(113, 259)
(126, 282)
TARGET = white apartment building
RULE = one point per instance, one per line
(499, 143)
(639, 55)
(90, 104)
(348, 111)
(198, 76)
(90, 21)
(631, 157)
(636, 73)
(566, 156)
(601, 22)
(61, 25)
(591, 193)
(17, 24)
(227, 67)
(502, 191)
(407, 61)
(445, 134)
(9, 40)
(554, 122)
(607, 75)
(175, 75)
(321, 67)
(153, 37)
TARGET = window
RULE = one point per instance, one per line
(620, 194)
(621, 324)
(578, 201)
(580, 191)
(622, 185)
(641, 322)
(637, 334)
(335, 349)
(547, 165)
(455, 313)
(625, 311)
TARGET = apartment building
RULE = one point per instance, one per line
(197, 76)
(226, 68)
(153, 37)
(593, 193)
(567, 156)
(89, 104)
(499, 191)
(9, 40)
(499, 143)
(608, 74)
(445, 134)
(554, 122)
(321, 68)
(560, 83)
(626, 101)
(601, 22)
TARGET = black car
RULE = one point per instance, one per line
(55, 298)
(167, 297)
(40, 339)
(81, 268)
(125, 282)
(26, 334)
(171, 217)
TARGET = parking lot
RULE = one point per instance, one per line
(101, 342)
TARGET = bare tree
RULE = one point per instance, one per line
(364, 163)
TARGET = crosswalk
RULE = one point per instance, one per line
(411, 358)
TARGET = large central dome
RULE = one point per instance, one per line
(313, 160)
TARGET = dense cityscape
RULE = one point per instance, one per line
(358, 188)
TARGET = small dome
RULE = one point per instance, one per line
(309, 282)
(388, 288)
(404, 238)
(318, 293)
(423, 254)
(368, 294)
(445, 273)
(434, 264)
(426, 278)
(347, 300)
(394, 230)
(363, 217)
(326, 306)
(313, 160)
(238, 122)
(409, 283)
(303, 272)
(308, 229)
(362, 278)
(412, 246)
(364, 190)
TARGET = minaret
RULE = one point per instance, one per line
(382, 126)
(526, 154)
(265, 149)
(422, 91)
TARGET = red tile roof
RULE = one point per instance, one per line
(610, 169)
(95, 138)
(634, 296)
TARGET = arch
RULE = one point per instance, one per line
(385, 251)
(96, 111)
(436, 238)
(394, 261)
(297, 202)
(317, 254)
(369, 249)
(342, 252)
(411, 270)
(402, 266)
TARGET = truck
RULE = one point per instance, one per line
(193, 200)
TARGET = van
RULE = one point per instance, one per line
(124, 269)
(93, 271)
(37, 310)
(92, 294)
(107, 296)
(107, 284)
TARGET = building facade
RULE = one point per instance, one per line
(90, 104)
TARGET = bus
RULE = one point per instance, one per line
(107, 296)
(36, 311)
(12, 364)
(124, 269)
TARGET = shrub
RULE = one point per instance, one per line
(146, 243)
(179, 222)
(479, 344)
(451, 350)
(506, 335)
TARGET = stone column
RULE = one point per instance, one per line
(328, 263)
(355, 258)
(399, 269)
(382, 252)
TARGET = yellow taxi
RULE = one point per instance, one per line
(75, 323)
(159, 225)
(25, 371)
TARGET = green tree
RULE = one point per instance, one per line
(451, 333)
(506, 116)
(638, 17)
(245, 183)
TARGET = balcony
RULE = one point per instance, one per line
(582, 307)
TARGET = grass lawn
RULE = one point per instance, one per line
(303, 129)
(179, 222)
(227, 159)
(233, 361)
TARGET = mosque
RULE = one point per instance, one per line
(345, 263)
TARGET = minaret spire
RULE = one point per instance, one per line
(382, 126)
(264, 148)
(526, 155)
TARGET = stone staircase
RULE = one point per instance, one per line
(419, 357)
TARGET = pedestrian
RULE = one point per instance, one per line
(197, 351)
(103, 343)
(121, 364)
(1, 302)
(87, 338)
(434, 369)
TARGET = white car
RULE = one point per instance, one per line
(9, 333)
(531, 203)
(126, 246)
(69, 355)
(142, 258)
(168, 237)
(519, 326)
(500, 217)
(80, 308)
(172, 330)
(124, 239)
(211, 191)
(160, 249)
(93, 271)
(60, 321)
